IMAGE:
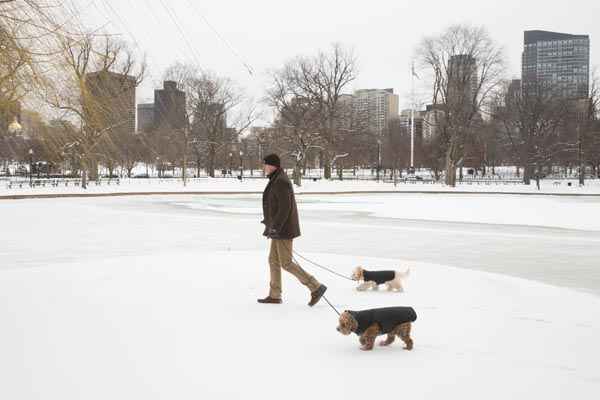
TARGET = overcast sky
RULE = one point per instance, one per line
(266, 33)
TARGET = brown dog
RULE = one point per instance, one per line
(368, 324)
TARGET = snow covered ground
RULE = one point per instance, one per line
(154, 298)
(319, 186)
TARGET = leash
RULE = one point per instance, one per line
(320, 266)
(331, 305)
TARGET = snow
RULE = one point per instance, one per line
(256, 185)
(187, 326)
(154, 298)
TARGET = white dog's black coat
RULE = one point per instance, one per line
(387, 318)
(379, 277)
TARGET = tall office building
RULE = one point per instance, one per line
(406, 124)
(374, 108)
(433, 118)
(145, 117)
(556, 63)
(112, 101)
(463, 80)
(169, 107)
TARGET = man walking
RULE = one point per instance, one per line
(282, 227)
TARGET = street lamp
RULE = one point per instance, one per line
(230, 163)
(241, 164)
(31, 167)
(158, 165)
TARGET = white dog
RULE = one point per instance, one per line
(393, 280)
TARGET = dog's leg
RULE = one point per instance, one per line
(367, 339)
(374, 286)
(391, 337)
(404, 334)
(389, 286)
(399, 287)
(363, 286)
(369, 342)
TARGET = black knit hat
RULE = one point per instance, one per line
(273, 159)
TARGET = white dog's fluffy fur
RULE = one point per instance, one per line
(397, 284)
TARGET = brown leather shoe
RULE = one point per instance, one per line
(269, 300)
(316, 295)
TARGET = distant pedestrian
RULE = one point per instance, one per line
(282, 226)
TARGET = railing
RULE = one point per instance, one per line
(59, 182)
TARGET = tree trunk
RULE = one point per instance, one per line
(211, 161)
(92, 169)
(451, 164)
(527, 174)
(297, 175)
(327, 165)
(84, 171)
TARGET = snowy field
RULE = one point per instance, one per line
(154, 298)
(256, 185)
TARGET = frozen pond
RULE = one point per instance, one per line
(555, 240)
(155, 298)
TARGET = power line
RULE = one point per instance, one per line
(173, 16)
(222, 39)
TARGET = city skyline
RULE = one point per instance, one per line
(238, 43)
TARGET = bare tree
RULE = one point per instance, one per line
(531, 121)
(221, 113)
(93, 103)
(466, 66)
(335, 70)
(587, 142)
(26, 48)
(297, 120)
(307, 94)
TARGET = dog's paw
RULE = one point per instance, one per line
(383, 343)
(366, 348)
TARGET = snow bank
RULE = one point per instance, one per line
(257, 185)
(187, 326)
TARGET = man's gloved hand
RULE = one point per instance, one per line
(272, 233)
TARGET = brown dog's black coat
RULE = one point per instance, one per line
(387, 318)
(368, 324)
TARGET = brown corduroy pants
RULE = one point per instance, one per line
(280, 257)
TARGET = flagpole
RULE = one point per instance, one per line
(412, 117)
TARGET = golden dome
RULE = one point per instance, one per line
(15, 127)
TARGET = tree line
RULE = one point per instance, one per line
(478, 119)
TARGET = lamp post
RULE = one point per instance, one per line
(230, 163)
(241, 164)
(30, 167)
(158, 165)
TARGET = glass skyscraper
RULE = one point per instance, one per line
(556, 63)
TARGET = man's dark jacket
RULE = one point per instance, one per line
(279, 208)
(387, 318)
